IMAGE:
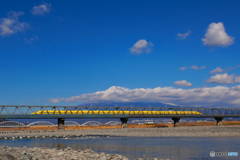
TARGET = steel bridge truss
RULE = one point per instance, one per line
(25, 112)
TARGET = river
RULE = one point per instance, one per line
(173, 148)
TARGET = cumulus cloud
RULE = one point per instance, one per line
(183, 68)
(223, 78)
(197, 68)
(183, 83)
(237, 79)
(219, 96)
(183, 36)
(141, 46)
(216, 36)
(41, 9)
(219, 70)
(55, 100)
(236, 88)
(11, 24)
(193, 67)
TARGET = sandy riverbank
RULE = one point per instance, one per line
(192, 131)
(18, 153)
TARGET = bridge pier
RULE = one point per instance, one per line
(219, 120)
(61, 123)
(176, 121)
(124, 122)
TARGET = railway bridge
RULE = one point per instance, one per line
(62, 112)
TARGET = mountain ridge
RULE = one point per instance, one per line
(128, 104)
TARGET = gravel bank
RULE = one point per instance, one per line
(196, 131)
(17, 153)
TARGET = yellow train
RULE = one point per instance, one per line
(119, 112)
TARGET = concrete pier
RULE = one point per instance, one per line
(176, 121)
(61, 123)
(219, 120)
(124, 122)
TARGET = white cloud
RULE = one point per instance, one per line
(183, 83)
(219, 70)
(183, 36)
(11, 24)
(219, 96)
(55, 100)
(236, 88)
(205, 85)
(196, 67)
(192, 67)
(202, 67)
(31, 39)
(223, 78)
(41, 9)
(183, 68)
(237, 79)
(216, 36)
(141, 46)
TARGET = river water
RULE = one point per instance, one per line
(173, 148)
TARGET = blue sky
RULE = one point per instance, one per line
(53, 50)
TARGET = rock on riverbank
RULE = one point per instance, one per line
(18, 153)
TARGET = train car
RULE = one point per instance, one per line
(118, 112)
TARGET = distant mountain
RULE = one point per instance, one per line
(128, 104)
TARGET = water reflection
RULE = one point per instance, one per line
(134, 147)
